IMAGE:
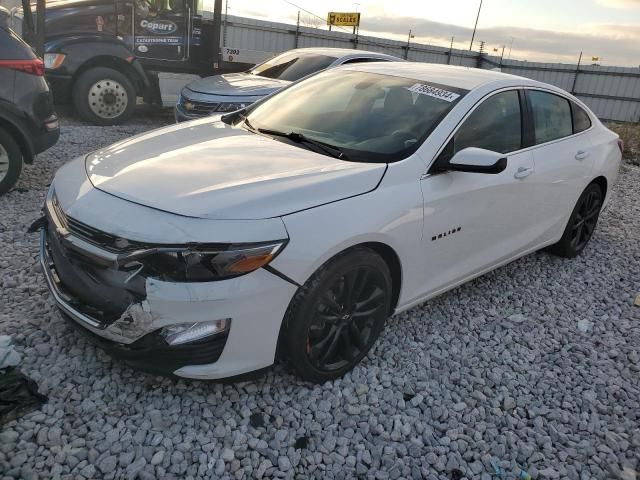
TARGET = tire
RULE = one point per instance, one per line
(582, 223)
(10, 161)
(326, 333)
(104, 96)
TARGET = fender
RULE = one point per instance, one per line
(84, 49)
(14, 120)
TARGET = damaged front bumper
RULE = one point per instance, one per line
(127, 318)
(133, 337)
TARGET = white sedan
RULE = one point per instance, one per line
(296, 227)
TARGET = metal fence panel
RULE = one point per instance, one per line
(613, 93)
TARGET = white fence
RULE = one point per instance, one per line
(613, 93)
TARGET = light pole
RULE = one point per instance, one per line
(406, 49)
(475, 26)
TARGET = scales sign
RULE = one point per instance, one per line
(343, 19)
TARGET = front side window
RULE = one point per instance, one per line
(293, 66)
(370, 117)
(581, 120)
(495, 125)
(551, 116)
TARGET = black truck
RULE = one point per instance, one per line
(104, 54)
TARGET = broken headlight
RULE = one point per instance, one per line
(195, 265)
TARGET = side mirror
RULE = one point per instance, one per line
(477, 160)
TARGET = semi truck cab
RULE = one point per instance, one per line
(104, 54)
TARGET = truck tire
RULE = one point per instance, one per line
(104, 96)
(10, 161)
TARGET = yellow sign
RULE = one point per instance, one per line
(595, 59)
(343, 19)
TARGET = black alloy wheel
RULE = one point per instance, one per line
(582, 223)
(336, 317)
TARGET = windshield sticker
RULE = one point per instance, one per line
(434, 92)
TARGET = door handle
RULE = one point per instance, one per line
(581, 155)
(523, 172)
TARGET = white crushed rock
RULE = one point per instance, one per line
(535, 365)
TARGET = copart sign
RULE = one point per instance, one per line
(159, 27)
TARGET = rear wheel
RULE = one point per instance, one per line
(336, 317)
(582, 223)
(104, 96)
(10, 161)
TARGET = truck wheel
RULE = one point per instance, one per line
(104, 96)
(10, 161)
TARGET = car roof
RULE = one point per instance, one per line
(466, 78)
(343, 52)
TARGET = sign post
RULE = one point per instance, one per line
(345, 19)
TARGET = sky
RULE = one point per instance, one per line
(533, 30)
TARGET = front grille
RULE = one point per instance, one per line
(199, 108)
(92, 235)
(102, 294)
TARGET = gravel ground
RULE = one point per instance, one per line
(536, 365)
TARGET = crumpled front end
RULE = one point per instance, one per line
(96, 282)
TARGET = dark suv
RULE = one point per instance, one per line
(28, 123)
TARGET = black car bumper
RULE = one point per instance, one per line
(153, 355)
(46, 140)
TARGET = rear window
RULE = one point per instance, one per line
(12, 47)
(551, 116)
(581, 120)
(293, 66)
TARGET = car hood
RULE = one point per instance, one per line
(237, 84)
(208, 169)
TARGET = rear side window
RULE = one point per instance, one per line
(365, 60)
(551, 116)
(581, 120)
(293, 66)
(495, 125)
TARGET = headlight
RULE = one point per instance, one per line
(195, 265)
(53, 60)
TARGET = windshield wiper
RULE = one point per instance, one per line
(298, 137)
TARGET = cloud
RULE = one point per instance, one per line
(615, 44)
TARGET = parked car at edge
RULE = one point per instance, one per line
(233, 91)
(297, 232)
(28, 123)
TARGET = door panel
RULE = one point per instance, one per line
(562, 172)
(563, 161)
(473, 220)
(161, 29)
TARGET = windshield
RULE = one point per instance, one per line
(369, 117)
(293, 66)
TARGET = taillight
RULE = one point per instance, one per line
(33, 66)
(621, 146)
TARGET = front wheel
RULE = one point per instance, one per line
(582, 223)
(337, 315)
(104, 96)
